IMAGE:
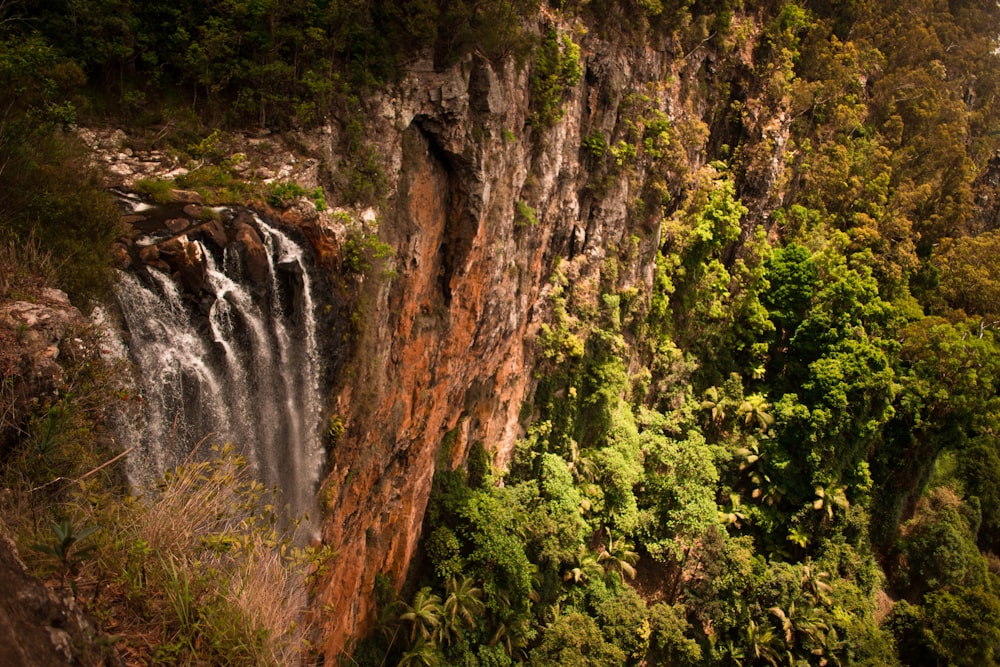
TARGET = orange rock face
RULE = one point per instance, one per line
(440, 362)
(447, 344)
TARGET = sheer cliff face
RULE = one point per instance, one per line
(448, 342)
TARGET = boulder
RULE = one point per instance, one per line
(177, 225)
(186, 197)
(39, 628)
(149, 254)
(31, 335)
(213, 231)
(187, 261)
(120, 256)
(251, 249)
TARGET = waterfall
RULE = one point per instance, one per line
(238, 363)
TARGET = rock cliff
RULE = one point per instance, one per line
(482, 204)
(485, 197)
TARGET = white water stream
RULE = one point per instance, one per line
(248, 373)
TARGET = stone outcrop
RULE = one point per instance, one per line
(255, 156)
(39, 332)
(39, 628)
(33, 336)
(176, 234)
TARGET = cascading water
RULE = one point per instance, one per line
(238, 363)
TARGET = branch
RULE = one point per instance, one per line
(82, 477)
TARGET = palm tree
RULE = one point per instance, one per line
(800, 536)
(388, 623)
(830, 649)
(754, 409)
(423, 654)
(765, 490)
(732, 651)
(816, 586)
(463, 602)
(587, 567)
(734, 516)
(761, 642)
(748, 455)
(618, 556)
(514, 632)
(829, 498)
(583, 467)
(800, 625)
(423, 615)
(714, 402)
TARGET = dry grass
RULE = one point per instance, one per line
(204, 555)
(208, 498)
(194, 572)
(25, 267)
(264, 590)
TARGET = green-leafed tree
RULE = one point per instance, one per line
(574, 639)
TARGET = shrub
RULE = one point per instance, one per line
(525, 215)
(362, 251)
(557, 69)
(283, 195)
(51, 193)
(160, 191)
(204, 557)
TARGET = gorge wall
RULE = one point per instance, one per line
(483, 204)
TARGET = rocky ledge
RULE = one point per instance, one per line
(38, 627)
(36, 329)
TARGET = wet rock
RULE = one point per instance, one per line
(300, 212)
(159, 265)
(251, 249)
(149, 254)
(177, 225)
(214, 231)
(121, 257)
(187, 262)
(187, 197)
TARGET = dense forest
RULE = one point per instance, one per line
(786, 453)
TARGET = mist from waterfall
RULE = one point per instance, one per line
(240, 363)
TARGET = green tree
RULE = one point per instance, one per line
(969, 275)
(623, 619)
(462, 606)
(669, 643)
(557, 69)
(574, 640)
(49, 190)
(423, 616)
